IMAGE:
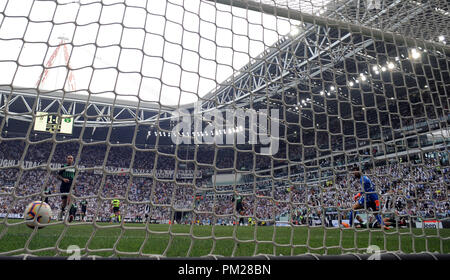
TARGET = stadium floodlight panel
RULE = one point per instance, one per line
(415, 54)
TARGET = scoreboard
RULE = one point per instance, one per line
(51, 122)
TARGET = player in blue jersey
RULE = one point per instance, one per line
(366, 199)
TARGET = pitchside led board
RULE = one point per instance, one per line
(50, 122)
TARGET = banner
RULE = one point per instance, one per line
(429, 224)
(11, 216)
(162, 174)
(336, 222)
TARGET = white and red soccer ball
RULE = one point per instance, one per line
(37, 214)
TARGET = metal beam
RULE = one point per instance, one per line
(102, 120)
(327, 50)
(383, 35)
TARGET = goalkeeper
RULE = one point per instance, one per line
(367, 197)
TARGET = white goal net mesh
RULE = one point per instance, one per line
(225, 128)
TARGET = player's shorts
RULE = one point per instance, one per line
(116, 209)
(371, 204)
(72, 211)
(64, 188)
(239, 206)
(83, 209)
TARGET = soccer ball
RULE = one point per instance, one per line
(37, 214)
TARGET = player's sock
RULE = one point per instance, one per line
(350, 218)
(379, 220)
(62, 213)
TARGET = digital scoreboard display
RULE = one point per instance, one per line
(51, 122)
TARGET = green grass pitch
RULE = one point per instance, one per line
(185, 240)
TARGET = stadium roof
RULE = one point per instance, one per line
(307, 70)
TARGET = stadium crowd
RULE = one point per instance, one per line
(406, 188)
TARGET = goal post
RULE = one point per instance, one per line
(220, 129)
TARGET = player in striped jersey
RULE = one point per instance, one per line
(147, 213)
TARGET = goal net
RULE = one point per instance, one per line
(225, 127)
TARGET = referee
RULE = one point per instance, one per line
(116, 210)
